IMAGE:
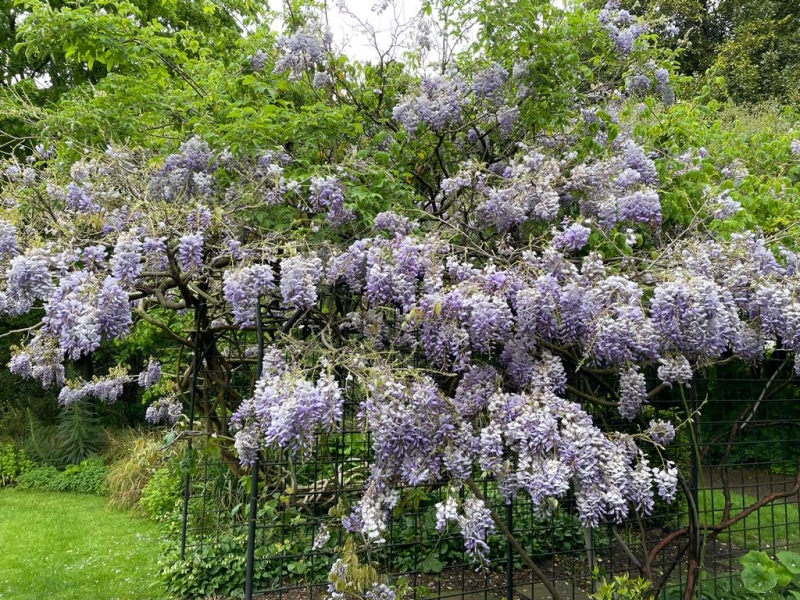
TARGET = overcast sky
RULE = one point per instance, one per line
(384, 25)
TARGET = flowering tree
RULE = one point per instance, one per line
(520, 267)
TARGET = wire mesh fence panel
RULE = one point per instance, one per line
(736, 448)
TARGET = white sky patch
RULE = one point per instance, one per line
(363, 32)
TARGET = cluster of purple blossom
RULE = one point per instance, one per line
(639, 83)
(475, 521)
(8, 240)
(327, 193)
(300, 275)
(286, 410)
(126, 262)
(437, 104)
(105, 389)
(150, 375)
(553, 442)
(28, 279)
(242, 288)
(390, 271)
(527, 190)
(84, 312)
(80, 198)
(41, 360)
(623, 27)
(187, 173)
(487, 84)
(301, 52)
(164, 410)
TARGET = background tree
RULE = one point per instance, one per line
(753, 45)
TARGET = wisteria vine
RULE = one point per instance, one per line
(458, 325)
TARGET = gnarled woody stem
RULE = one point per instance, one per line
(514, 543)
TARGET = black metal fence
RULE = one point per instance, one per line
(738, 456)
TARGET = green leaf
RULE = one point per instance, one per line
(759, 579)
(431, 564)
(757, 558)
(790, 560)
(784, 576)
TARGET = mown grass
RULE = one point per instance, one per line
(68, 546)
(775, 525)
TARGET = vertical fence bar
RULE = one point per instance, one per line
(251, 523)
(510, 553)
(695, 536)
(197, 361)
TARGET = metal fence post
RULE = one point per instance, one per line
(251, 523)
(197, 361)
(509, 553)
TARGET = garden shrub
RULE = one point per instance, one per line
(42, 478)
(160, 495)
(13, 463)
(622, 587)
(88, 477)
(214, 569)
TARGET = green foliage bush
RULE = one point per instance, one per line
(215, 569)
(622, 587)
(13, 463)
(88, 477)
(160, 495)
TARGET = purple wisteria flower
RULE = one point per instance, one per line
(286, 411)
(150, 375)
(83, 312)
(299, 278)
(80, 198)
(675, 369)
(154, 251)
(724, 207)
(661, 432)
(199, 219)
(622, 26)
(643, 206)
(327, 193)
(258, 61)
(476, 524)
(164, 410)
(632, 393)
(42, 360)
(242, 288)
(437, 104)
(105, 389)
(8, 240)
(393, 223)
(695, 316)
(186, 173)
(28, 279)
(572, 238)
(487, 84)
(126, 262)
(190, 252)
(301, 51)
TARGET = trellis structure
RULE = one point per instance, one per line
(738, 455)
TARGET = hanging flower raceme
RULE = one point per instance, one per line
(242, 288)
(84, 312)
(286, 410)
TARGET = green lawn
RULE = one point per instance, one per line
(776, 524)
(69, 546)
